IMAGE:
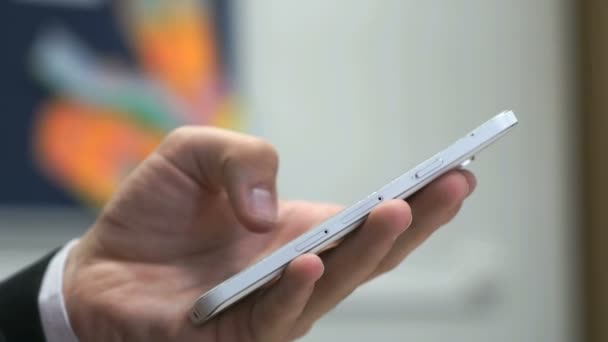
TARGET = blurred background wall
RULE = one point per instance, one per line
(353, 93)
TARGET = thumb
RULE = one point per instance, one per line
(243, 166)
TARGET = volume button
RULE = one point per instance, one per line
(429, 168)
(365, 206)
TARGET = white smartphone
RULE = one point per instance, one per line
(332, 230)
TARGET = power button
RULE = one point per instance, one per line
(429, 168)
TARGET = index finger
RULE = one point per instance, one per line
(244, 166)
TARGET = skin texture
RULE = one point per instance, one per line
(204, 206)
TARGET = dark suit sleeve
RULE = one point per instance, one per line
(19, 315)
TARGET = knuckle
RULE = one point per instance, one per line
(180, 133)
(179, 138)
(390, 265)
(263, 147)
(301, 330)
(426, 232)
(186, 139)
(449, 215)
(260, 150)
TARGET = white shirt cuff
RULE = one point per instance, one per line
(51, 304)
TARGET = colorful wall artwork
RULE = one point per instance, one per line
(92, 90)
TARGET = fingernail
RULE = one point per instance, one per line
(262, 204)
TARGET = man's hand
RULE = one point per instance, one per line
(203, 207)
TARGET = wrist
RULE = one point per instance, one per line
(73, 306)
(51, 299)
